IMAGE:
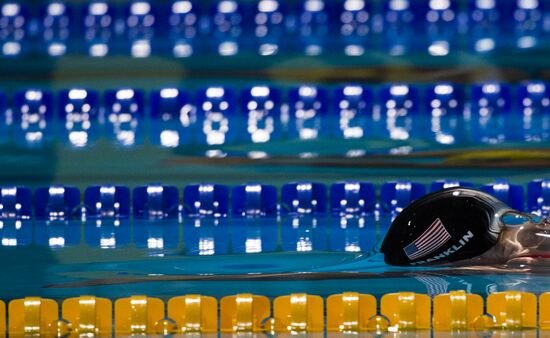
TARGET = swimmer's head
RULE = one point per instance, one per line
(446, 226)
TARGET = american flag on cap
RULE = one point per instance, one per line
(432, 239)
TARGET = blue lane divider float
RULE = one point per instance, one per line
(354, 221)
(352, 198)
(157, 201)
(304, 198)
(183, 28)
(16, 202)
(445, 113)
(206, 200)
(538, 198)
(56, 202)
(107, 201)
(254, 200)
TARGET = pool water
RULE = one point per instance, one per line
(454, 90)
(58, 259)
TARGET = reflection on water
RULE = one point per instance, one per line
(262, 105)
(214, 108)
(396, 118)
(199, 236)
(399, 105)
(124, 107)
(307, 106)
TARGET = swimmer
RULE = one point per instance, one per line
(466, 227)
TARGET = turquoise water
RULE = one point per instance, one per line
(269, 257)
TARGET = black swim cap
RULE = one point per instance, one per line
(444, 226)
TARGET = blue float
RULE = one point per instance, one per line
(538, 197)
(206, 200)
(304, 198)
(56, 202)
(511, 194)
(107, 201)
(254, 200)
(155, 201)
(15, 203)
(352, 198)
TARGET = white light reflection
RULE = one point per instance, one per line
(268, 6)
(11, 48)
(399, 90)
(56, 9)
(314, 5)
(528, 4)
(169, 138)
(313, 50)
(266, 49)
(304, 244)
(440, 5)
(215, 92)
(9, 241)
(98, 8)
(253, 245)
(56, 242)
(354, 50)
(78, 94)
(33, 136)
(155, 243)
(490, 88)
(256, 155)
(78, 139)
(260, 124)
(307, 91)
(98, 50)
(537, 88)
(33, 95)
(107, 242)
(182, 7)
(485, 45)
(182, 50)
(354, 5)
(399, 5)
(140, 8)
(348, 114)
(227, 6)
(485, 4)
(169, 93)
(443, 89)
(155, 189)
(307, 124)
(206, 246)
(141, 48)
(124, 94)
(228, 48)
(527, 42)
(11, 9)
(352, 247)
(215, 127)
(439, 48)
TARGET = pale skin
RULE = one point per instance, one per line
(522, 246)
